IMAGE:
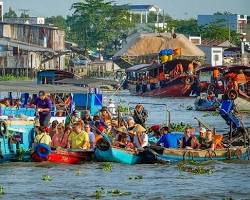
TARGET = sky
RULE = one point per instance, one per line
(176, 8)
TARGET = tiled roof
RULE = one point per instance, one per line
(215, 42)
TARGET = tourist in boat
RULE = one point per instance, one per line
(168, 139)
(87, 117)
(202, 135)
(208, 141)
(60, 138)
(241, 80)
(122, 138)
(53, 128)
(130, 123)
(87, 129)
(105, 116)
(210, 96)
(42, 137)
(76, 116)
(189, 141)
(78, 139)
(44, 107)
(140, 139)
(140, 115)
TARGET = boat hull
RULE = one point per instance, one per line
(239, 153)
(16, 146)
(205, 105)
(117, 155)
(242, 104)
(66, 156)
(178, 87)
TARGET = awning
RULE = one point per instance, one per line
(24, 46)
(91, 82)
(32, 87)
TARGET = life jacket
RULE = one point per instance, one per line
(241, 78)
(187, 143)
(162, 76)
(216, 73)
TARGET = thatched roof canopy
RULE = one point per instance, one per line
(151, 43)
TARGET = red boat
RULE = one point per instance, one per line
(69, 156)
(160, 80)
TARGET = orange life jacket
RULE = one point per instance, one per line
(216, 73)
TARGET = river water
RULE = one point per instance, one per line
(229, 180)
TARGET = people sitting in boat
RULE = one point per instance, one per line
(140, 115)
(87, 129)
(177, 70)
(202, 135)
(87, 117)
(140, 139)
(53, 128)
(207, 142)
(168, 139)
(122, 138)
(78, 139)
(44, 107)
(241, 80)
(42, 137)
(76, 116)
(130, 123)
(60, 138)
(216, 75)
(189, 141)
(105, 116)
(5, 102)
(211, 96)
(191, 68)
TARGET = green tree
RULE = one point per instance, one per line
(186, 27)
(58, 21)
(10, 14)
(97, 23)
(24, 15)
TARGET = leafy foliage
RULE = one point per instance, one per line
(11, 13)
(97, 23)
(193, 167)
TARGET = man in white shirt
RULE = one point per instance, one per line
(140, 138)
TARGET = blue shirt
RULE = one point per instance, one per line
(170, 140)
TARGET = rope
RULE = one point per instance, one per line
(188, 154)
(210, 154)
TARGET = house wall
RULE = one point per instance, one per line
(35, 35)
(214, 55)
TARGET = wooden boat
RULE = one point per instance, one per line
(241, 98)
(242, 102)
(233, 153)
(114, 154)
(67, 156)
(172, 85)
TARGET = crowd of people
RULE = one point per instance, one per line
(84, 131)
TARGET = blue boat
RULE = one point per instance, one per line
(206, 105)
(16, 139)
(233, 153)
(118, 155)
(17, 124)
